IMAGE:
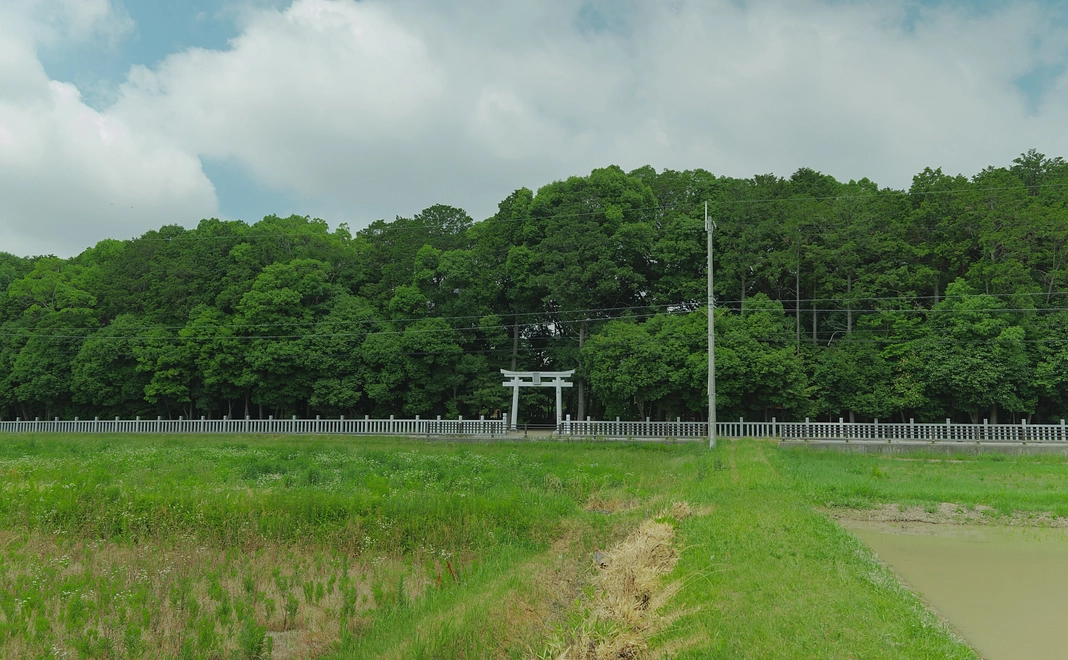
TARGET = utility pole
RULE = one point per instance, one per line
(709, 226)
(797, 291)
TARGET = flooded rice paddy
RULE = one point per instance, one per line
(1004, 589)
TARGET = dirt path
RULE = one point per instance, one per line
(947, 514)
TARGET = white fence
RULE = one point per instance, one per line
(366, 426)
(824, 431)
(923, 433)
(646, 429)
(666, 430)
(840, 431)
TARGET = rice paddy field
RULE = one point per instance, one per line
(326, 547)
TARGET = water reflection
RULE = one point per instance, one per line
(1004, 589)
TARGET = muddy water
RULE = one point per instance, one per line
(1005, 590)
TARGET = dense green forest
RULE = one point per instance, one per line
(834, 299)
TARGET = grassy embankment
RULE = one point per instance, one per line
(1027, 484)
(201, 547)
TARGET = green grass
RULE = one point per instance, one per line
(769, 577)
(385, 529)
(208, 547)
(1008, 483)
(280, 490)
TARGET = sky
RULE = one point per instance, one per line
(120, 116)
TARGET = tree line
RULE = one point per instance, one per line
(946, 300)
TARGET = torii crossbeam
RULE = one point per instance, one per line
(536, 379)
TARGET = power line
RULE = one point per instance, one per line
(458, 331)
(550, 316)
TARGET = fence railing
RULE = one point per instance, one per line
(841, 430)
(829, 431)
(678, 429)
(913, 432)
(647, 429)
(365, 426)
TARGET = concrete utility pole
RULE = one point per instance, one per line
(709, 226)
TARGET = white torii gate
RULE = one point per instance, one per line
(537, 379)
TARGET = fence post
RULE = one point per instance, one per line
(1062, 430)
(1024, 432)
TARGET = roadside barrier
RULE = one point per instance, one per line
(840, 431)
(294, 426)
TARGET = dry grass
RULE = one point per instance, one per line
(629, 594)
(947, 513)
(94, 598)
(603, 503)
(680, 511)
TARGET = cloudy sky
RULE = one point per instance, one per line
(118, 116)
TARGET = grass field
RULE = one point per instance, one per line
(255, 547)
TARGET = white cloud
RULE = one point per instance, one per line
(70, 175)
(51, 21)
(373, 108)
(368, 109)
(304, 96)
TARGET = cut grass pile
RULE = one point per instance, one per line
(255, 547)
(629, 595)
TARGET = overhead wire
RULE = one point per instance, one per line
(558, 319)
(456, 333)
(551, 316)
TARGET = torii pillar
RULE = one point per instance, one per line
(537, 379)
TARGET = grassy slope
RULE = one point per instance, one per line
(1028, 483)
(774, 579)
(762, 573)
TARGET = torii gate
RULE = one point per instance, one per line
(537, 379)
